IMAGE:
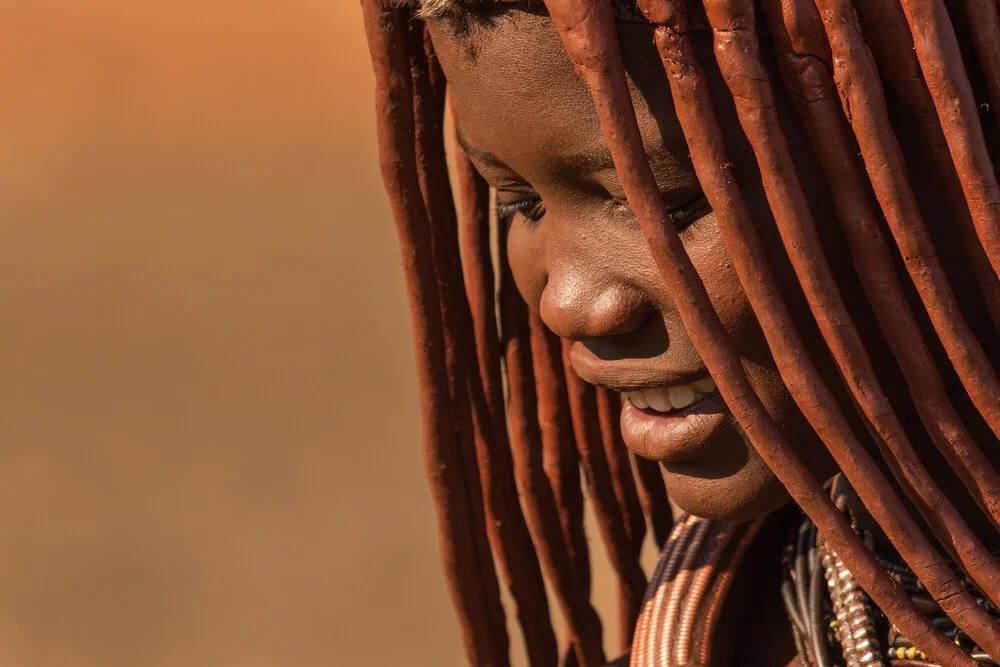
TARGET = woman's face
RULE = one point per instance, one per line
(579, 258)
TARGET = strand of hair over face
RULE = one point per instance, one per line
(737, 54)
(587, 28)
(505, 466)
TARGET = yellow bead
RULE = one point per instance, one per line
(911, 653)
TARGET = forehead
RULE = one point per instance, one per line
(515, 89)
(512, 71)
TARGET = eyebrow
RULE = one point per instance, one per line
(479, 154)
(578, 160)
(584, 160)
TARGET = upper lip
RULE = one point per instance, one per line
(624, 375)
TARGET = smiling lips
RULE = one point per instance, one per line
(662, 420)
(668, 399)
(674, 424)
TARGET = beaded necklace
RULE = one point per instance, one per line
(840, 625)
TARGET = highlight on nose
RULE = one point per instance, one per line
(579, 309)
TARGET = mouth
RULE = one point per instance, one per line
(671, 423)
(671, 399)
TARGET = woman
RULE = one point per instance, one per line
(771, 228)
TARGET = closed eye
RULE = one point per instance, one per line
(683, 214)
(530, 207)
(533, 209)
(690, 211)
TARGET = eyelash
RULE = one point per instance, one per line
(683, 215)
(533, 210)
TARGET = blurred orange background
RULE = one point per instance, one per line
(210, 449)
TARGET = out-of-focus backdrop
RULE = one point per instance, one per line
(209, 449)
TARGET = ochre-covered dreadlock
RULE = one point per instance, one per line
(481, 450)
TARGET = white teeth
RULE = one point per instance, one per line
(666, 399)
(659, 399)
(704, 386)
(638, 399)
(681, 397)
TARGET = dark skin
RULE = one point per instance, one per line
(579, 258)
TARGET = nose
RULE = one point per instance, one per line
(580, 304)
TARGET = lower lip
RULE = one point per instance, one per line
(672, 436)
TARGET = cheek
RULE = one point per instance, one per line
(711, 260)
(707, 251)
(526, 258)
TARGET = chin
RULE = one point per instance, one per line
(726, 499)
(728, 481)
(744, 494)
